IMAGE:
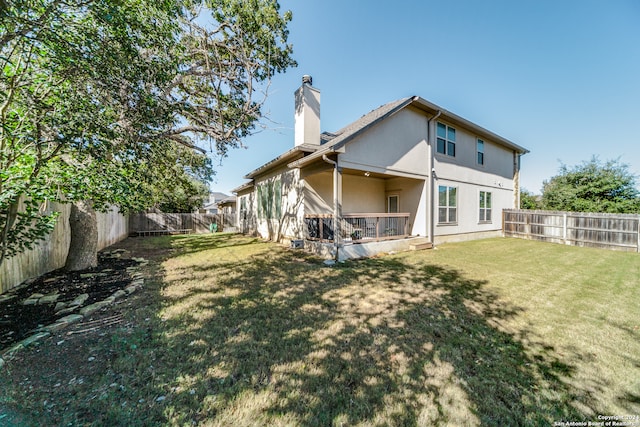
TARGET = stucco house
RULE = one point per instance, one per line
(210, 206)
(407, 173)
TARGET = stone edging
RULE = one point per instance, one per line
(61, 323)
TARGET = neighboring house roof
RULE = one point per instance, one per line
(349, 132)
(218, 196)
(227, 201)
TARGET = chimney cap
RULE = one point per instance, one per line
(307, 79)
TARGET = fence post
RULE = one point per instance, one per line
(639, 234)
(564, 228)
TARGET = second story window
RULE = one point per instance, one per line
(446, 140)
(480, 150)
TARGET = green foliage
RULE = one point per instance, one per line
(528, 200)
(108, 100)
(593, 186)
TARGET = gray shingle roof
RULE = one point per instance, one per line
(372, 117)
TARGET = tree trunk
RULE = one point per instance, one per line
(83, 249)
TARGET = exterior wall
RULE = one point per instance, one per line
(397, 146)
(468, 208)
(497, 169)
(318, 193)
(412, 198)
(288, 223)
(247, 211)
(361, 194)
(496, 176)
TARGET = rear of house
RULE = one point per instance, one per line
(405, 170)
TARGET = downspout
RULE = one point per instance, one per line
(336, 212)
(432, 216)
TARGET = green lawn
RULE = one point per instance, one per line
(494, 332)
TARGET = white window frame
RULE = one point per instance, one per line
(448, 143)
(484, 210)
(448, 207)
(478, 151)
(397, 196)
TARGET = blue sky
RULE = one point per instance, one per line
(561, 78)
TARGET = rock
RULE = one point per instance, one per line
(12, 350)
(95, 307)
(329, 262)
(1, 362)
(30, 301)
(6, 297)
(34, 338)
(133, 287)
(79, 300)
(60, 306)
(119, 294)
(67, 310)
(49, 299)
(36, 296)
(69, 319)
(54, 327)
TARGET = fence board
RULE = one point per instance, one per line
(609, 231)
(51, 253)
(172, 222)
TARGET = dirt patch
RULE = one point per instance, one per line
(69, 377)
(42, 301)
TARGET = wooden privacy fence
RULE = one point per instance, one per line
(609, 231)
(51, 253)
(147, 223)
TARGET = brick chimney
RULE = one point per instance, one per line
(307, 114)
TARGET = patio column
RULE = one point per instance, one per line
(337, 203)
(337, 207)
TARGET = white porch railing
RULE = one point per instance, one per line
(358, 227)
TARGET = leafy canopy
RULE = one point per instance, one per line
(119, 102)
(593, 186)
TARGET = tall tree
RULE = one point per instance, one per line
(93, 91)
(593, 186)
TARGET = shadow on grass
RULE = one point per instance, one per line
(276, 338)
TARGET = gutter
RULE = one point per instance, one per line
(336, 213)
(432, 210)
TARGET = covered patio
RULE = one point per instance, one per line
(349, 207)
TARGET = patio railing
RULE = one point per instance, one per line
(358, 227)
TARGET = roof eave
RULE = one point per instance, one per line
(243, 187)
(280, 160)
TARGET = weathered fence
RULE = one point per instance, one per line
(51, 253)
(159, 223)
(610, 231)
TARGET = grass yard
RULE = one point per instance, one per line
(233, 331)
